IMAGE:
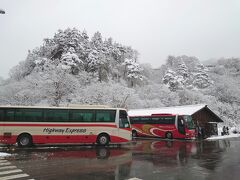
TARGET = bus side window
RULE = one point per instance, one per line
(55, 115)
(19, 115)
(35, 115)
(134, 120)
(1, 114)
(82, 116)
(105, 116)
(9, 115)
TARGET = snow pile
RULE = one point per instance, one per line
(233, 133)
(2, 154)
(223, 137)
(235, 130)
(232, 130)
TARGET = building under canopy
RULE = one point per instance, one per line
(202, 115)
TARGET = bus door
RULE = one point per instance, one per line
(181, 125)
(123, 120)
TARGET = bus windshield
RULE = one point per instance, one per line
(189, 122)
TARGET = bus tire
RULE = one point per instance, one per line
(168, 135)
(24, 140)
(134, 133)
(103, 139)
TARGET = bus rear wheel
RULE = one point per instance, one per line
(168, 135)
(24, 140)
(103, 139)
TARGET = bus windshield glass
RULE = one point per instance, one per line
(189, 122)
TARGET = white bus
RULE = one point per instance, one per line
(29, 125)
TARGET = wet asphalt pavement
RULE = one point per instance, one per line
(141, 159)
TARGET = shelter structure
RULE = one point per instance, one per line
(201, 114)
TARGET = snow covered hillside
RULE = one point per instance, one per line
(73, 68)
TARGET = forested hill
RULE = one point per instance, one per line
(73, 68)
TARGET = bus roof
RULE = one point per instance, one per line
(64, 107)
(180, 110)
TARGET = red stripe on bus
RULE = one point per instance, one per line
(62, 139)
(62, 125)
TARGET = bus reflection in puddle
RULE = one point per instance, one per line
(166, 153)
(74, 163)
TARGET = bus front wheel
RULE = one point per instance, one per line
(134, 133)
(168, 135)
(103, 139)
(24, 140)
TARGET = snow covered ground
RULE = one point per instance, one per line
(2, 154)
(231, 135)
(223, 137)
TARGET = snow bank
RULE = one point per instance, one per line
(2, 154)
(232, 130)
(223, 137)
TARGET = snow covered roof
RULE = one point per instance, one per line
(181, 110)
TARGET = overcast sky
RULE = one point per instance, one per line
(155, 28)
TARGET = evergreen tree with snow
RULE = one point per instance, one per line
(132, 71)
(201, 79)
(171, 80)
(188, 73)
(183, 70)
(70, 61)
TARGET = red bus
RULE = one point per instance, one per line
(28, 125)
(162, 126)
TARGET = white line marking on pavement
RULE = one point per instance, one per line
(7, 167)
(1, 161)
(5, 163)
(14, 176)
(10, 171)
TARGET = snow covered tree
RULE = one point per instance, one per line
(132, 71)
(55, 84)
(24, 68)
(97, 42)
(188, 73)
(201, 79)
(98, 61)
(58, 86)
(104, 93)
(84, 48)
(171, 80)
(155, 95)
(20, 92)
(182, 70)
(70, 61)
(63, 40)
(230, 66)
